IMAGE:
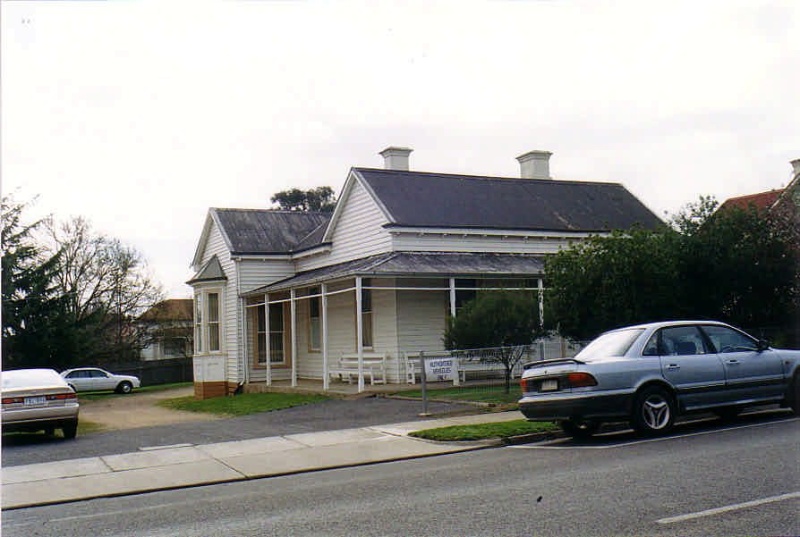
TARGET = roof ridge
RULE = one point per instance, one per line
(486, 177)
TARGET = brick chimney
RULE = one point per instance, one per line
(535, 165)
(396, 158)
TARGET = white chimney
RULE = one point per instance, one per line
(795, 167)
(535, 165)
(396, 158)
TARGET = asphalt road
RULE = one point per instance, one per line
(705, 480)
(329, 415)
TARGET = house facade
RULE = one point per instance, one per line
(282, 296)
(169, 328)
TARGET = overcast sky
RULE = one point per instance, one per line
(141, 116)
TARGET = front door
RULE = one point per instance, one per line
(690, 366)
(752, 374)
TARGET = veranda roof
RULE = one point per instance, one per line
(417, 264)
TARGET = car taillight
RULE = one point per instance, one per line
(61, 396)
(12, 400)
(526, 385)
(581, 380)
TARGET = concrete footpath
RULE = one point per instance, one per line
(188, 465)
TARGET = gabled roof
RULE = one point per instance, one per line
(173, 309)
(419, 199)
(210, 272)
(259, 231)
(761, 201)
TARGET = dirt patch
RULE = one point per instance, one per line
(139, 409)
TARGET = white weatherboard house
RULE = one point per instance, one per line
(282, 296)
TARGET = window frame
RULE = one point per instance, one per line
(205, 323)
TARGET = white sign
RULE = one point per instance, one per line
(438, 369)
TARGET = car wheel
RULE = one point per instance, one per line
(125, 387)
(70, 429)
(653, 411)
(580, 429)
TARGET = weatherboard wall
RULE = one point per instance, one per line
(357, 233)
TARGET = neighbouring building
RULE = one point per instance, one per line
(281, 296)
(169, 331)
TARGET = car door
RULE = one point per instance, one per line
(80, 380)
(751, 374)
(696, 373)
(101, 380)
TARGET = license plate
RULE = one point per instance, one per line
(548, 386)
(30, 401)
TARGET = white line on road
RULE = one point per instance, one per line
(560, 443)
(728, 508)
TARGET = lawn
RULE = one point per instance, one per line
(94, 396)
(495, 394)
(483, 431)
(243, 404)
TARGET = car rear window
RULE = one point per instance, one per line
(614, 343)
(22, 378)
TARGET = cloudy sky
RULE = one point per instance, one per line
(141, 116)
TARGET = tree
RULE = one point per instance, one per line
(320, 199)
(505, 319)
(106, 287)
(740, 265)
(607, 282)
(34, 324)
(734, 265)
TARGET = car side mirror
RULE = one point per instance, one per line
(762, 345)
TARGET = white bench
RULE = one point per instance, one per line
(374, 368)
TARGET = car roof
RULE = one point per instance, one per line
(16, 378)
(660, 324)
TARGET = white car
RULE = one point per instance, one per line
(94, 379)
(38, 400)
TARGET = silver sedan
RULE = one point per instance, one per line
(38, 400)
(651, 373)
(91, 379)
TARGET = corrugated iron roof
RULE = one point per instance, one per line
(261, 231)
(419, 264)
(418, 199)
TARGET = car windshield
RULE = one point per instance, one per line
(30, 377)
(614, 343)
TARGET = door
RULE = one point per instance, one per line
(752, 374)
(101, 380)
(80, 380)
(689, 365)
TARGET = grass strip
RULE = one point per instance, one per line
(483, 431)
(477, 394)
(243, 404)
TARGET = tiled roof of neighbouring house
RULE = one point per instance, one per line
(173, 309)
(762, 200)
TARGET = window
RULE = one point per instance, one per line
(207, 325)
(277, 353)
(257, 330)
(675, 341)
(213, 322)
(198, 323)
(726, 340)
(314, 320)
(366, 313)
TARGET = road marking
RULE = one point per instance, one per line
(728, 508)
(557, 444)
